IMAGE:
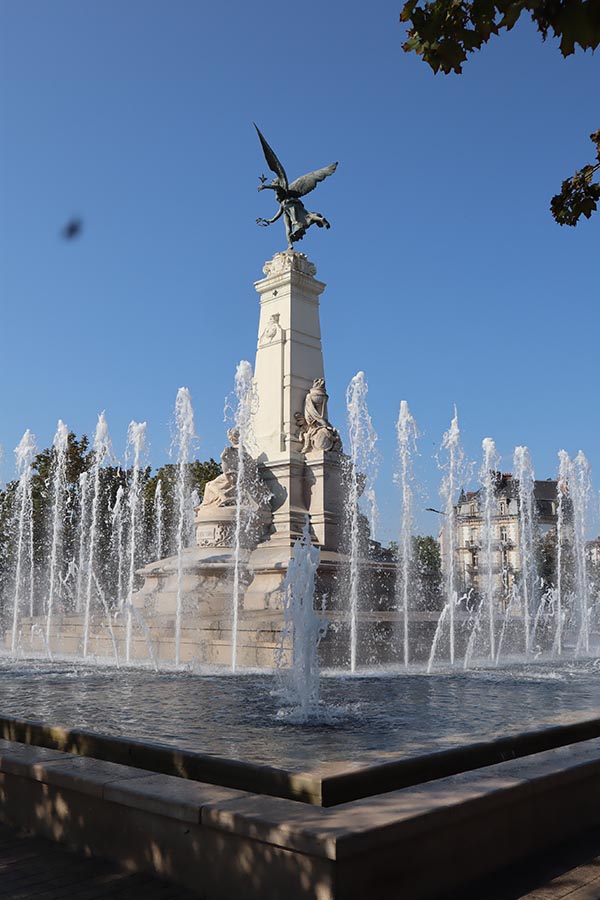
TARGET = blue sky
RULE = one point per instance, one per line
(448, 280)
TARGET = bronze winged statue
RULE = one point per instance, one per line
(296, 217)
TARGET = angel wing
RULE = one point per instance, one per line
(307, 183)
(271, 158)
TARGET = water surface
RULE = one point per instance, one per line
(370, 717)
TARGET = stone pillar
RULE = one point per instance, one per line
(324, 497)
(288, 359)
(289, 355)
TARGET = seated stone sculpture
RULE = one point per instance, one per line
(222, 490)
(314, 428)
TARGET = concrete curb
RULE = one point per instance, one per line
(417, 842)
(327, 785)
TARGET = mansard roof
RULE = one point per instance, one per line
(507, 487)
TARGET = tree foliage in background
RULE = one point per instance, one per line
(428, 555)
(198, 475)
(444, 32)
(80, 460)
(426, 568)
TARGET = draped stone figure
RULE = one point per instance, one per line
(314, 428)
(222, 490)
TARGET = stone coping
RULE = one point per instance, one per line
(416, 842)
(325, 785)
(334, 833)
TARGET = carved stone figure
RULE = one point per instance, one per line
(271, 329)
(221, 491)
(314, 428)
(296, 217)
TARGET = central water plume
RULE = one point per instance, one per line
(407, 434)
(184, 420)
(24, 454)
(303, 629)
(58, 490)
(362, 469)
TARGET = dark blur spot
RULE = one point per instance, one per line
(72, 229)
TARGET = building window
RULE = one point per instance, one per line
(502, 508)
(503, 533)
(473, 509)
(475, 560)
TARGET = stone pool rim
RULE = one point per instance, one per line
(327, 784)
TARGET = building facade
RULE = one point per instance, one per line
(593, 551)
(506, 557)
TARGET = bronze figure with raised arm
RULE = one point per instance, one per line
(296, 217)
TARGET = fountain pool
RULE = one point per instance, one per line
(365, 719)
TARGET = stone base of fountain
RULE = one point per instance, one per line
(206, 622)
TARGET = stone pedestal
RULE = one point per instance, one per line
(324, 497)
(289, 358)
(215, 526)
(288, 355)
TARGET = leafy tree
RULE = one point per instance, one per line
(426, 568)
(428, 555)
(110, 561)
(444, 32)
(198, 475)
(546, 558)
(578, 195)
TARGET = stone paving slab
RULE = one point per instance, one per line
(569, 871)
(33, 868)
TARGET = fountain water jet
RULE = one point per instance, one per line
(24, 453)
(525, 476)
(102, 452)
(84, 491)
(562, 493)
(244, 411)
(58, 489)
(184, 419)
(362, 466)
(453, 470)
(407, 434)
(580, 493)
(159, 515)
(117, 541)
(136, 439)
(303, 629)
(491, 462)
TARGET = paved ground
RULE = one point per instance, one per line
(36, 868)
(570, 871)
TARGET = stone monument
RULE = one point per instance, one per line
(296, 469)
